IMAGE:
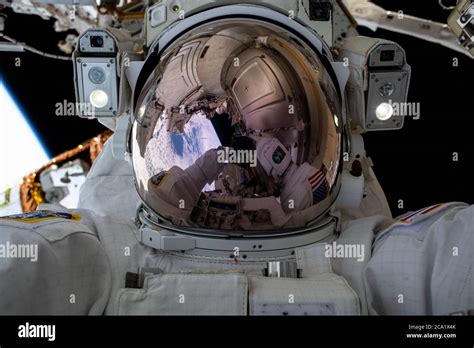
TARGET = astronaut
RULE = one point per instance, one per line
(411, 265)
(176, 191)
(170, 230)
(302, 186)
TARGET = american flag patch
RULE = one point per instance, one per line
(408, 218)
(407, 222)
(319, 186)
(316, 179)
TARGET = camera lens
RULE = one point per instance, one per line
(387, 56)
(97, 75)
(97, 41)
(387, 89)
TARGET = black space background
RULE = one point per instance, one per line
(414, 164)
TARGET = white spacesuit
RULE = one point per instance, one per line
(176, 229)
(420, 264)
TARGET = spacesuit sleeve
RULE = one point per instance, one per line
(424, 263)
(186, 185)
(205, 170)
(51, 264)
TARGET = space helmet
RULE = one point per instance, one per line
(228, 110)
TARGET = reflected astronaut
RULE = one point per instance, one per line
(177, 192)
(302, 186)
(237, 163)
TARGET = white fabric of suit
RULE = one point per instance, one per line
(421, 263)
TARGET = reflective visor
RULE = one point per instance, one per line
(238, 128)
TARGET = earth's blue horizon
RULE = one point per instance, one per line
(21, 148)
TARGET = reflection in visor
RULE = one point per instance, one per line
(235, 130)
(167, 149)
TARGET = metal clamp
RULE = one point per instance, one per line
(282, 269)
(163, 240)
